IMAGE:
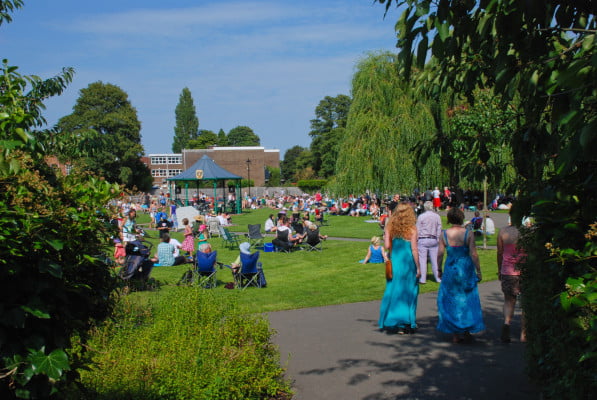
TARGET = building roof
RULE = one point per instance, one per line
(204, 169)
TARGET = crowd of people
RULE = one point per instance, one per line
(412, 237)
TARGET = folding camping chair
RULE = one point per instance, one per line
(205, 270)
(312, 241)
(255, 237)
(230, 240)
(250, 273)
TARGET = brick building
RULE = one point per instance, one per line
(233, 159)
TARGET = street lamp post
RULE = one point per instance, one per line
(249, 175)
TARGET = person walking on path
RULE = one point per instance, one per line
(429, 228)
(399, 303)
(458, 301)
(508, 256)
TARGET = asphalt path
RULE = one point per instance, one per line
(339, 353)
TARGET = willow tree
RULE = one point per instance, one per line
(384, 124)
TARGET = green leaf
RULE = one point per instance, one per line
(51, 365)
(52, 268)
(56, 244)
(36, 312)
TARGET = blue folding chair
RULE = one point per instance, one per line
(251, 272)
(205, 269)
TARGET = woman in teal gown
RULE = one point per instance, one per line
(458, 301)
(399, 303)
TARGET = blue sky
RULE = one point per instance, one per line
(263, 64)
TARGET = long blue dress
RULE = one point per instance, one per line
(458, 301)
(399, 303)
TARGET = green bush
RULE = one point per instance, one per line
(188, 344)
(311, 185)
(52, 284)
(560, 296)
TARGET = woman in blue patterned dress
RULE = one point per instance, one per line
(399, 304)
(458, 301)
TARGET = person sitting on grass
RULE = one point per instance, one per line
(376, 253)
(165, 253)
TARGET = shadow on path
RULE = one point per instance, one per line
(337, 352)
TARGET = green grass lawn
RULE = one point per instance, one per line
(305, 279)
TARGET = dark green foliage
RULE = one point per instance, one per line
(192, 344)
(311, 185)
(105, 128)
(187, 123)
(274, 176)
(543, 53)
(242, 136)
(222, 138)
(52, 227)
(295, 159)
(327, 131)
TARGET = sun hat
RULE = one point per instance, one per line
(245, 248)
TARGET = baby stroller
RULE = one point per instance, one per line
(137, 264)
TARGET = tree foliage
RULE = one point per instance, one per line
(327, 131)
(205, 139)
(187, 123)
(242, 136)
(473, 141)
(51, 285)
(295, 159)
(106, 124)
(222, 138)
(384, 123)
(542, 52)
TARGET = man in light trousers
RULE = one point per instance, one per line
(429, 230)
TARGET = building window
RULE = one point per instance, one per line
(163, 160)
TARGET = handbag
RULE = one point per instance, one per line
(389, 270)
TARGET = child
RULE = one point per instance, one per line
(119, 252)
(203, 234)
(375, 253)
(188, 243)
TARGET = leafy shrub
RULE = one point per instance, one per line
(311, 185)
(560, 295)
(51, 284)
(189, 344)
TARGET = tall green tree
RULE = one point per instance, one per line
(242, 136)
(384, 124)
(544, 53)
(293, 162)
(327, 131)
(104, 116)
(222, 138)
(187, 123)
(205, 139)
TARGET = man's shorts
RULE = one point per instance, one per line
(511, 285)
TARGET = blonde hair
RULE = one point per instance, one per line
(375, 240)
(402, 222)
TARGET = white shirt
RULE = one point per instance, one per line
(177, 246)
(489, 226)
(269, 224)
